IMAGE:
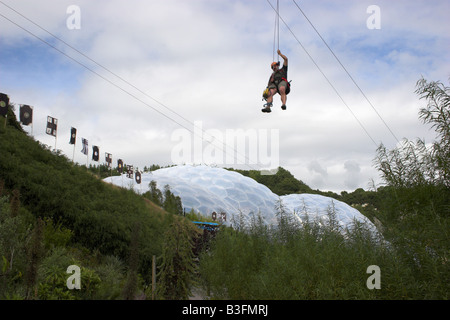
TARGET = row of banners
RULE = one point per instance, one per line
(26, 118)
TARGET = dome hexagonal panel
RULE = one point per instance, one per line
(207, 190)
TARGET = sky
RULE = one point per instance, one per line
(181, 81)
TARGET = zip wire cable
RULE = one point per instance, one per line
(353, 80)
(90, 69)
(95, 62)
(119, 77)
(274, 38)
(109, 81)
(278, 25)
(326, 78)
(276, 32)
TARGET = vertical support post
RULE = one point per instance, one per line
(32, 122)
(73, 155)
(153, 277)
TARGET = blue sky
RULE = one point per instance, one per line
(34, 64)
(209, 61)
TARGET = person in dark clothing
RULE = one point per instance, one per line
(277, 83)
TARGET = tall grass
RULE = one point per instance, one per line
(312, 261)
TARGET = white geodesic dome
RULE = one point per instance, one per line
(317, 208)
(206, 190)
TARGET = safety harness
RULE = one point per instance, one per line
(277, 83)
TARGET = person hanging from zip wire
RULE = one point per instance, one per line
(277, 83)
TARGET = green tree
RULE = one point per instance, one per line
(413, 163)
(35, 255)
(176, 274)
(171, 202)
(15, 233)
(131, 284)
(437, 113)
(154, 194)
(415, 205)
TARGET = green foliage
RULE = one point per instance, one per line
(315, 262)
(437, 113)
(283, 263)
(11, 119)
(34, 254)
(53, 277)
(416, 204)
(280, 183)
(56, 235)
(102, 170)
(15, 233)
(112, 274)
(154, 194)
(195, 216)
(177, 266)
(131, 284)
(78, 211)
(167, 200)
(414, 164)
(171, 202)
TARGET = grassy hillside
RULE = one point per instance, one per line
(51, 186)
(91, 219)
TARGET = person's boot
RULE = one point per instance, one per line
(283, 107)
(267, 108)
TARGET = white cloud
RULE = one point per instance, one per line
(353, 174)
(209, 61)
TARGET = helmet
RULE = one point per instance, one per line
(274, 64)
